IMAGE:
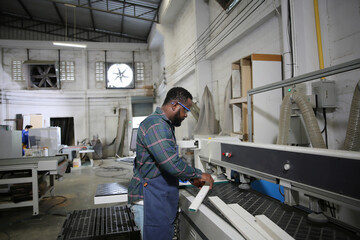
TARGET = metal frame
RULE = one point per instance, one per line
(47, 164)
(210, 151)
(141, 12)
(340, 68)
(122, 5)
(55, 29)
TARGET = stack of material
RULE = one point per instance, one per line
(101, 223)
(23, 191)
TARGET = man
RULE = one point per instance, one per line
(25, 138)
(153, 190)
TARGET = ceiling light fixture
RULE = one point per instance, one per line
(68, 44)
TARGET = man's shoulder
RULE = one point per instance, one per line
(151, 121)
(155, 118)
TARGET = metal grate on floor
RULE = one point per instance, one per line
(109, 189)
(101, 223)
(290, 219)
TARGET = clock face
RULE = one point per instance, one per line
(120, 75)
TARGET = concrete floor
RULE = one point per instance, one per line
(75, 192)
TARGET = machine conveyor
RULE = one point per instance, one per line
(291, 219)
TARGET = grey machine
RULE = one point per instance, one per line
(321, 189)
(29, 171)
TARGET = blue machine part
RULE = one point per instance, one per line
(269, 189)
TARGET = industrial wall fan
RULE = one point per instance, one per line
(119, 75)
(42, 75)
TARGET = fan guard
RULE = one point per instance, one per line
(42, 75)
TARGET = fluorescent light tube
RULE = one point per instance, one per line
(66, 44)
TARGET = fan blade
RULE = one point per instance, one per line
(39, 69)
(49, 82)
(42, 82)
(48, 69)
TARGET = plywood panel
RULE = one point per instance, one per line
(246, 84)
(235, 93)
(265, 57)
(36, 121)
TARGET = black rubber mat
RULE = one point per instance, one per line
(292, 220)
(101, 223)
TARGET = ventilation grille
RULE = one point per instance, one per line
(101, 223)
(42, 75)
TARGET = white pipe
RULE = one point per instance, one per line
(293, 39)
(285, 39)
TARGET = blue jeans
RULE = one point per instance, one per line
(138, 211)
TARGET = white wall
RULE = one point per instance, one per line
(238, 35)
(88, 101)
(264, 39)
(340, 39)
(198, 66)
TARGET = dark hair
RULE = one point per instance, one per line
(28, 126)
(178, 94)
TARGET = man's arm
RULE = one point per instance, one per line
(160, 143)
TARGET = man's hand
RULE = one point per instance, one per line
(197, 182)
(205, 177)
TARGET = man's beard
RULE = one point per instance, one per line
(177, 120)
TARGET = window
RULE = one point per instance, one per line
(99, 72)
(17, 71)
(67, 71)
(139, 66)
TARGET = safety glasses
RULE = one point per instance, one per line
(186, 109)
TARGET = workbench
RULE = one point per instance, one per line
(38, 166)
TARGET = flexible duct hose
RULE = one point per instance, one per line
(284, 121)
(352, 139)
(308, 115)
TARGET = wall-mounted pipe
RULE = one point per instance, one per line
(318, 34)
(287, 62)
(311, 123)
(352, 139)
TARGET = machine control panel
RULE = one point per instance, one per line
(227, 154)
(302, 167)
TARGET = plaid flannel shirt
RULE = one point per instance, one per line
(156, 152)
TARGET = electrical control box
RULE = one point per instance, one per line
(325, 94)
